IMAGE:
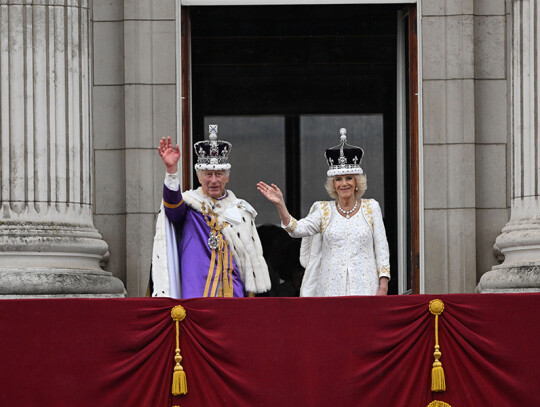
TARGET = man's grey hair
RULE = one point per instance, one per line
(199, 172)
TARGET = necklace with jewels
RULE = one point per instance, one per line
(347, 213)
(215, 238)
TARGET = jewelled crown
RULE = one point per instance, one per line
(212, 154)
(344, 158)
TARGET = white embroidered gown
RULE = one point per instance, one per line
(352, 254)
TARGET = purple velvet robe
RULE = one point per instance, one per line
(201, 271)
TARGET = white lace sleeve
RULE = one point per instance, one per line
(308, 226)
(172, 182)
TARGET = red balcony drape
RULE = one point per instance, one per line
(356, 351)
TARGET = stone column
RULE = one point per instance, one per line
(48, 244)
(449, 150)
(519, 241)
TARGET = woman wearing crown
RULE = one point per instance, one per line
(344, 246)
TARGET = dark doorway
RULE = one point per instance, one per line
(282, 80)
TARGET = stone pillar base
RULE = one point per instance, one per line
(59, 283)
(523, 278)
(54, 259)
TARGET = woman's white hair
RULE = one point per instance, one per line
(361, 184)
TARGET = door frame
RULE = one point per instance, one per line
(415, 206)
(407, 35)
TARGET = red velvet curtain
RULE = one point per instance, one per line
(355, 351)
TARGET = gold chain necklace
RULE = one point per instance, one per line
(215, 238)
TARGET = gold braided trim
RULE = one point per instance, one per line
(228, 287)
(210, 273)
(368, 212)
(326, 215)
(220, 263)
(293, 223)
(172, 206)
(383, 270)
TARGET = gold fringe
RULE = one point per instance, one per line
(438, 403)
(437, 377)
(438, 384)
(179, 381)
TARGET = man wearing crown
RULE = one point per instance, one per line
(218, 252)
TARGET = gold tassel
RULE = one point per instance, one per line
(179, 382)
(436, 307)
(438, 403)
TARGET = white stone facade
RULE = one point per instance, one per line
(134, 105)
(519, 241)
(48, 244)
(465, 139)
(473, 182)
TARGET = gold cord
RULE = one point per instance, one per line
(179, 382)
(436, 307)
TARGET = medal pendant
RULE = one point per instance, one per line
(213, 241)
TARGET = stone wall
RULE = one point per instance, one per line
(134, 106)
(449, 150)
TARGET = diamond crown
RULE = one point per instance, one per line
(212, 151)
(344, 158)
